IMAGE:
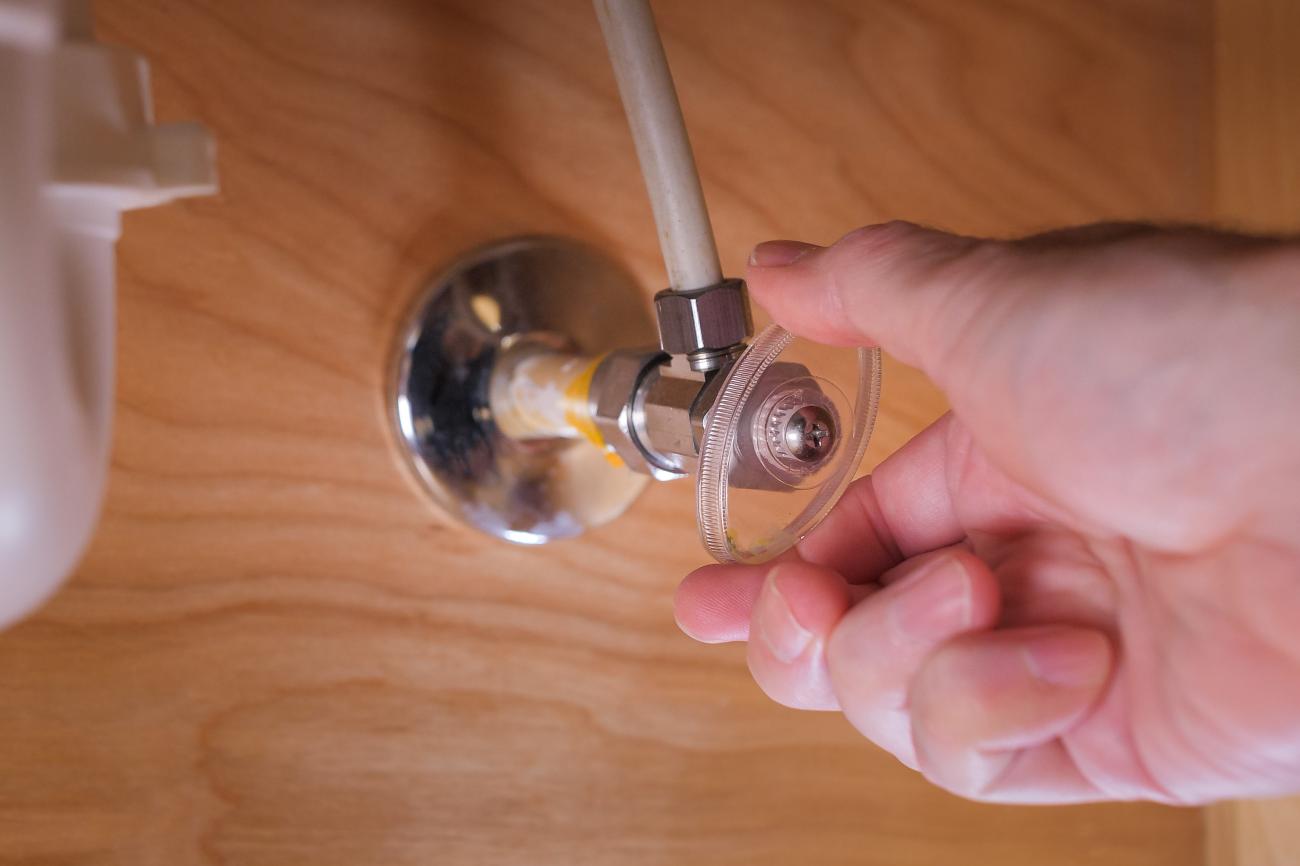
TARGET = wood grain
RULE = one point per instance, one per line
(1257, 114)
(277, 653)
(1253, 833)
(1256, 117)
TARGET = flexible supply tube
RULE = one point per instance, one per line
(646, 86)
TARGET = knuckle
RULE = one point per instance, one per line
(874, 240)
(799, 685)
(779, 689)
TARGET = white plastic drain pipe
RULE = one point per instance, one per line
(78, 148)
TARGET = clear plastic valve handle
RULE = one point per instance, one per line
(785, 437)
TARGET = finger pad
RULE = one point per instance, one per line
(713, 604)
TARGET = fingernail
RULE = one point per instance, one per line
(776, 624)
(934, 603)
(1068, 657)
(778, 254)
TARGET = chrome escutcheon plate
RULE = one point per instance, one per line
(528, 492)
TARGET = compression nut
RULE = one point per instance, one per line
(704, 321)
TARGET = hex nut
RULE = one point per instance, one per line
(613, 387)
(703, 320)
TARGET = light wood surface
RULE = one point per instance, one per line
(1257, 114)
(1257, 187)
(276, 653)
(1253, 833)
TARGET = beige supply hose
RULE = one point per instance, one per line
(655, 116)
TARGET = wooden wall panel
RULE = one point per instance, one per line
(1257, 187)
(1257, 114)
(1253, 833)
(276, 653)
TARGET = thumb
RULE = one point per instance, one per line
(910, 290)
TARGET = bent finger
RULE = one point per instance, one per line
(795, 612)
(988, 711)
(879, 645)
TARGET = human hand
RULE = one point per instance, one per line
(1084, 582)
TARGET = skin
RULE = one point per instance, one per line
(1083, 583)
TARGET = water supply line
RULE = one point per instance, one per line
(662, 146)
(646, 408)
(747, 420)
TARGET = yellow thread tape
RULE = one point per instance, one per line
(577, 411)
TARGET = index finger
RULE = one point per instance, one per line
(931, 493)
(904, 507)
